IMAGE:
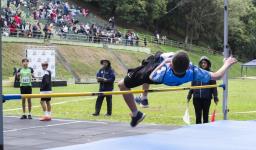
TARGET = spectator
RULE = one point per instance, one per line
(17, 19)
(1, 22)
(27, 29)
(164, 38)
(85, 12)
(13, 29)
(145, 41)
(112, 22)
(202, 97)
(137, 39)
(106, 78)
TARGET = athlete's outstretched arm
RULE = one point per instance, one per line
(220, 73)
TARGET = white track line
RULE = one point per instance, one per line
(69, 120)
(59, 103)
(35, 127)
(245, 112)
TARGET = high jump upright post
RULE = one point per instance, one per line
(226, 55)
(1, 93)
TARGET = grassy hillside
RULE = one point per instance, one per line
(85, 60)
(12, 55)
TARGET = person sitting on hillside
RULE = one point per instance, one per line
(175, 70)
(85, 12)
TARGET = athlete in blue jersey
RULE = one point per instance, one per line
(172, 71)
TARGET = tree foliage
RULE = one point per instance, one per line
(196, 21)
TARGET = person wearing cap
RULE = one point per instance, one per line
(46, 88)
(25, 74)
(105, 77)
(202, 97)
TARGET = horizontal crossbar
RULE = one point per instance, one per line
(19, 96)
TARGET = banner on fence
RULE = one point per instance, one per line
(38, 55)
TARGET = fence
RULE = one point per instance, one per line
(142, 42)
(94, 40)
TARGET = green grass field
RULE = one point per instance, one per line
(165, 108)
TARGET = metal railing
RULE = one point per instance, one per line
(71, 37)
(60, 36)
(91, 39)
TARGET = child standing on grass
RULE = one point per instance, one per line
(46, 88)
(26, 74)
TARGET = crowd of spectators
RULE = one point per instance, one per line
(56, 17)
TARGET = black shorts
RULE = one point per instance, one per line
(135, 80)
(26, 90)
(48, 99)
(140, 75)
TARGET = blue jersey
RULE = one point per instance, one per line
(166, 76)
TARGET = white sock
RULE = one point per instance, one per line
(29, 113)
(134, 113)
(46, 113)
(49, 113)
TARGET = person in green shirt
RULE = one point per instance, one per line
(26, 74)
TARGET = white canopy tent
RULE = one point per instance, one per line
(249, 64)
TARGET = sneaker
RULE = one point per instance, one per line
(95, 114)
(137, 119)
(45, 118)
(137, 100)
(23, 117)
(107, 115)
(29, 117)
(144, 103)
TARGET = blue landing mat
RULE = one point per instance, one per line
(221, 135)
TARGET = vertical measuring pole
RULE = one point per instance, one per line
(1, 93)
(226, 55)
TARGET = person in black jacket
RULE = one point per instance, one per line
(202, 97)
(46, 88)
(106, 77)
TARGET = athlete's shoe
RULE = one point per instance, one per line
(144, 103)
(29, 117)
(46, 118)
(23, 117)
(137, 119)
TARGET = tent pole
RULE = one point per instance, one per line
(241, 71)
